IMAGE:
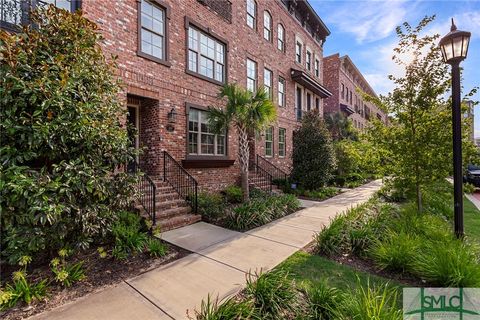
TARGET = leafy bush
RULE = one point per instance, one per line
(355, 161)
(469, 188)
(271, 293)
(228, 309)
(130, 237)
(260, 211)
(156, 248)
(234, 194)
(313, 155)
(448, 264)
(211, 206)
(324, 302)
(396, 251)
(62, 137)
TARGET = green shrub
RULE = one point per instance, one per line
(369, 303)
(313, 155)
(248, 215)
(62, 137)
(21, 289)
(65, 273)
(211, 206)
(272, 293)
(156, 248)
(448, 264)
(333, 239)
(469, 188)
(324, 302)
(234, 194)
(228, 309)
(396, 251)
(260, 211)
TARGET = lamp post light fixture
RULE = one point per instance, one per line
(172, 119)
(454, 47)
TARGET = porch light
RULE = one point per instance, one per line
(172, 119)
(454, 45)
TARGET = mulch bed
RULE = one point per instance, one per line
(100, 273)
(367, 266)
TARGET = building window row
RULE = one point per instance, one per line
(305, 101)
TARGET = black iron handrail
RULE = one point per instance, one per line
(262, 179)
(273, 170)
(147, 192)
(185, 185)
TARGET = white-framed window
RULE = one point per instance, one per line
(317, 104)
(343, 91)
(298, 101)
(206, 55)
(308, 60)
(267, 26)
(281, 38)
(317, 68)
(282, 133)
(201, 140)
(298, 51)
(251, 75)
(152, 30)
(281, 92)
(269, 142)
(251, 13)
(267, 82)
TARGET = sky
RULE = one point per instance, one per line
(365, 30)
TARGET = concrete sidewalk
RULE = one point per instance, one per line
(217, 267)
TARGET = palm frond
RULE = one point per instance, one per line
(218, 120)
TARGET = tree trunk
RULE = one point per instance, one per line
(419, 198)
(243, 155)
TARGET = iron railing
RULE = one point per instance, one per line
(259, 177)
(146, 190)
(273, 170)
(185, 185)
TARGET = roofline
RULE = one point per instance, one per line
(359, 72)
(319, 19)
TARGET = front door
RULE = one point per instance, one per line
(132, 129)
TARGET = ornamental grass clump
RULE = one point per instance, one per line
(272, 293)
(232, 308)
(62, 137)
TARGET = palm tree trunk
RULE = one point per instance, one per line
(243, 155)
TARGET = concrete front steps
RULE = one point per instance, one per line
(172, 211)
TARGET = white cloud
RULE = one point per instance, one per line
(370, 20)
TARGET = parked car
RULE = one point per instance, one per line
(472, 175)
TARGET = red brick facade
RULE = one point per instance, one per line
(340, 74)
(156, 87)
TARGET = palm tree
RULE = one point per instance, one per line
(248, 112)
(340, 126)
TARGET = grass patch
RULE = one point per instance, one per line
(309, 270)
(472, 221)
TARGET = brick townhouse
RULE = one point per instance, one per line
(342, 78)
(173, 57)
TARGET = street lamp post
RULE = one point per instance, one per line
(454, 47)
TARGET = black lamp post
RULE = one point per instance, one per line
(454, 48)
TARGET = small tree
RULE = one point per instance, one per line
(313, 153)
(249, 113)
(61, 136)
(417, 143)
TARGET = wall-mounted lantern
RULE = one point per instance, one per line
(172, 119)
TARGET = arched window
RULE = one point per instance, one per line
(251, 13)
(267, 26)
(281, 38)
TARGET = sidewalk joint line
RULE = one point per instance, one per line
(148, 299)
(276, 241)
